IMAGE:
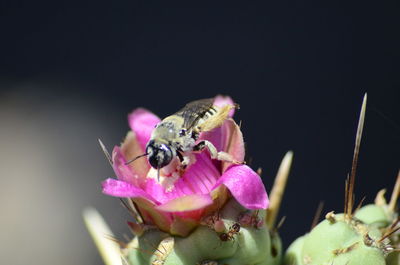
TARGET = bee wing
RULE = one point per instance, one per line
(194, 111)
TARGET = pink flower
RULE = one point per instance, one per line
(177, 202)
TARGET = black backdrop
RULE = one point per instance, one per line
(72, 71)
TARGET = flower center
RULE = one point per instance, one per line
(198, 178)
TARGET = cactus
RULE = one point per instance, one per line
(341, 239)
(249, 243)
(366, 236)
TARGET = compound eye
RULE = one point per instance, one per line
(165, 156)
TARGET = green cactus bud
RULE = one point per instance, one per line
(339, 240)
(343, 240)
(240, 243)
(374, 215)
(293, 253)
(383, 215)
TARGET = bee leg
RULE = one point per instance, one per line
(184, 162)
(222, 156)
(180, 156)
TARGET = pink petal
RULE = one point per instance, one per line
(186, 203)
(142, 123)
(246, 186)
(123, 172)
(227, 138)
(122, 189)
(200, 176)
(234, 144)
(151, 215)
(130, 149)
(184, 222)
(157, 191)
(224, 100)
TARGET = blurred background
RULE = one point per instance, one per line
(71, 72)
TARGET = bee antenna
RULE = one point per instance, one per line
(133, 159)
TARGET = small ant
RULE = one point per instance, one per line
(251, 219)
(233, 230)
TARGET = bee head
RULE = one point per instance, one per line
(159, 154)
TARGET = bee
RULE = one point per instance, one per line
(177, 135)
(233, 230)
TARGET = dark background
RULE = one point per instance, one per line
(71, 72)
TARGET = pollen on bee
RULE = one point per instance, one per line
(168, 182)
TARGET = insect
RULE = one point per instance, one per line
(233, 230)
(249, 219)
(177, 135)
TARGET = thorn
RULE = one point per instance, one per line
(360, 204)
(280, 223)
(132, 210)
(388, 234)
(355, 157)
(126, 237)
(167, 244)
(148, 252)
(116, 240)
(346, 195)
(152, 245)
(394, 223)
(106, 153)
(124, 261)
(278, 189)
(136, 229)
(135, 208)
(391, 229)
(317, 215)
(395, 194)
(345, 250)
